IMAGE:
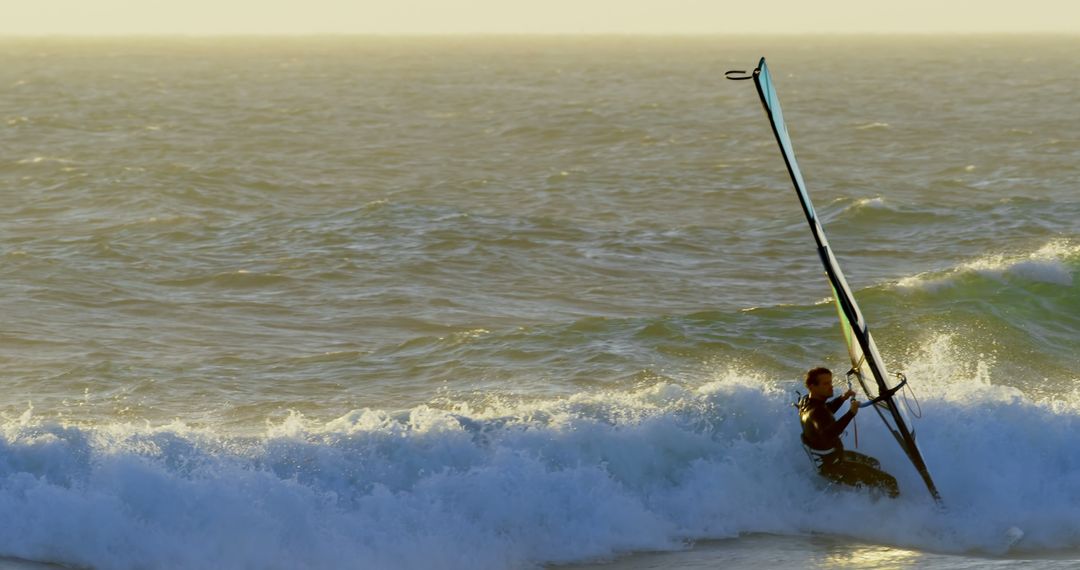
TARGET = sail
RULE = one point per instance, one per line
(866, 363)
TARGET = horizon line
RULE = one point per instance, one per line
(550, 34)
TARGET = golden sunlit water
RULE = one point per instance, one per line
(509, 302)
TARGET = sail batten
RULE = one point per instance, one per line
(866, 362)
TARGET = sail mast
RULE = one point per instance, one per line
(866, 363)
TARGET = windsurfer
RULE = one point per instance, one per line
(821, 436)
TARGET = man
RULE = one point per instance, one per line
(821, 436)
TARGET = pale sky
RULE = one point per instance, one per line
(204, 17)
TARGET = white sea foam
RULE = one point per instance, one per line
(1048, 264)
(43, 159)
(520, 484)
(876, 202)
(863, 204)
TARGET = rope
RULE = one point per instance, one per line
(907, 389)
(855, 425)
(854, 419)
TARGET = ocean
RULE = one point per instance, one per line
(529, 302)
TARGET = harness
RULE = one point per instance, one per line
(817, 456)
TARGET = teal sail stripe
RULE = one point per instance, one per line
(866, 363)
(772, 105)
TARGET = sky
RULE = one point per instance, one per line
(222, 17)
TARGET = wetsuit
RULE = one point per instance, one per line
(821, 434)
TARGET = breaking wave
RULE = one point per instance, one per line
(517, 484)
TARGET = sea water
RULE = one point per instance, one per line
(513, 302)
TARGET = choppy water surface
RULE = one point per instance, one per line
(506, 302)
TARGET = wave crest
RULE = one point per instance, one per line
(1055, 263)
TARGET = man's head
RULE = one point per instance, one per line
(819, 382)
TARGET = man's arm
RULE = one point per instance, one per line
(826, 427)
(835, 404)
